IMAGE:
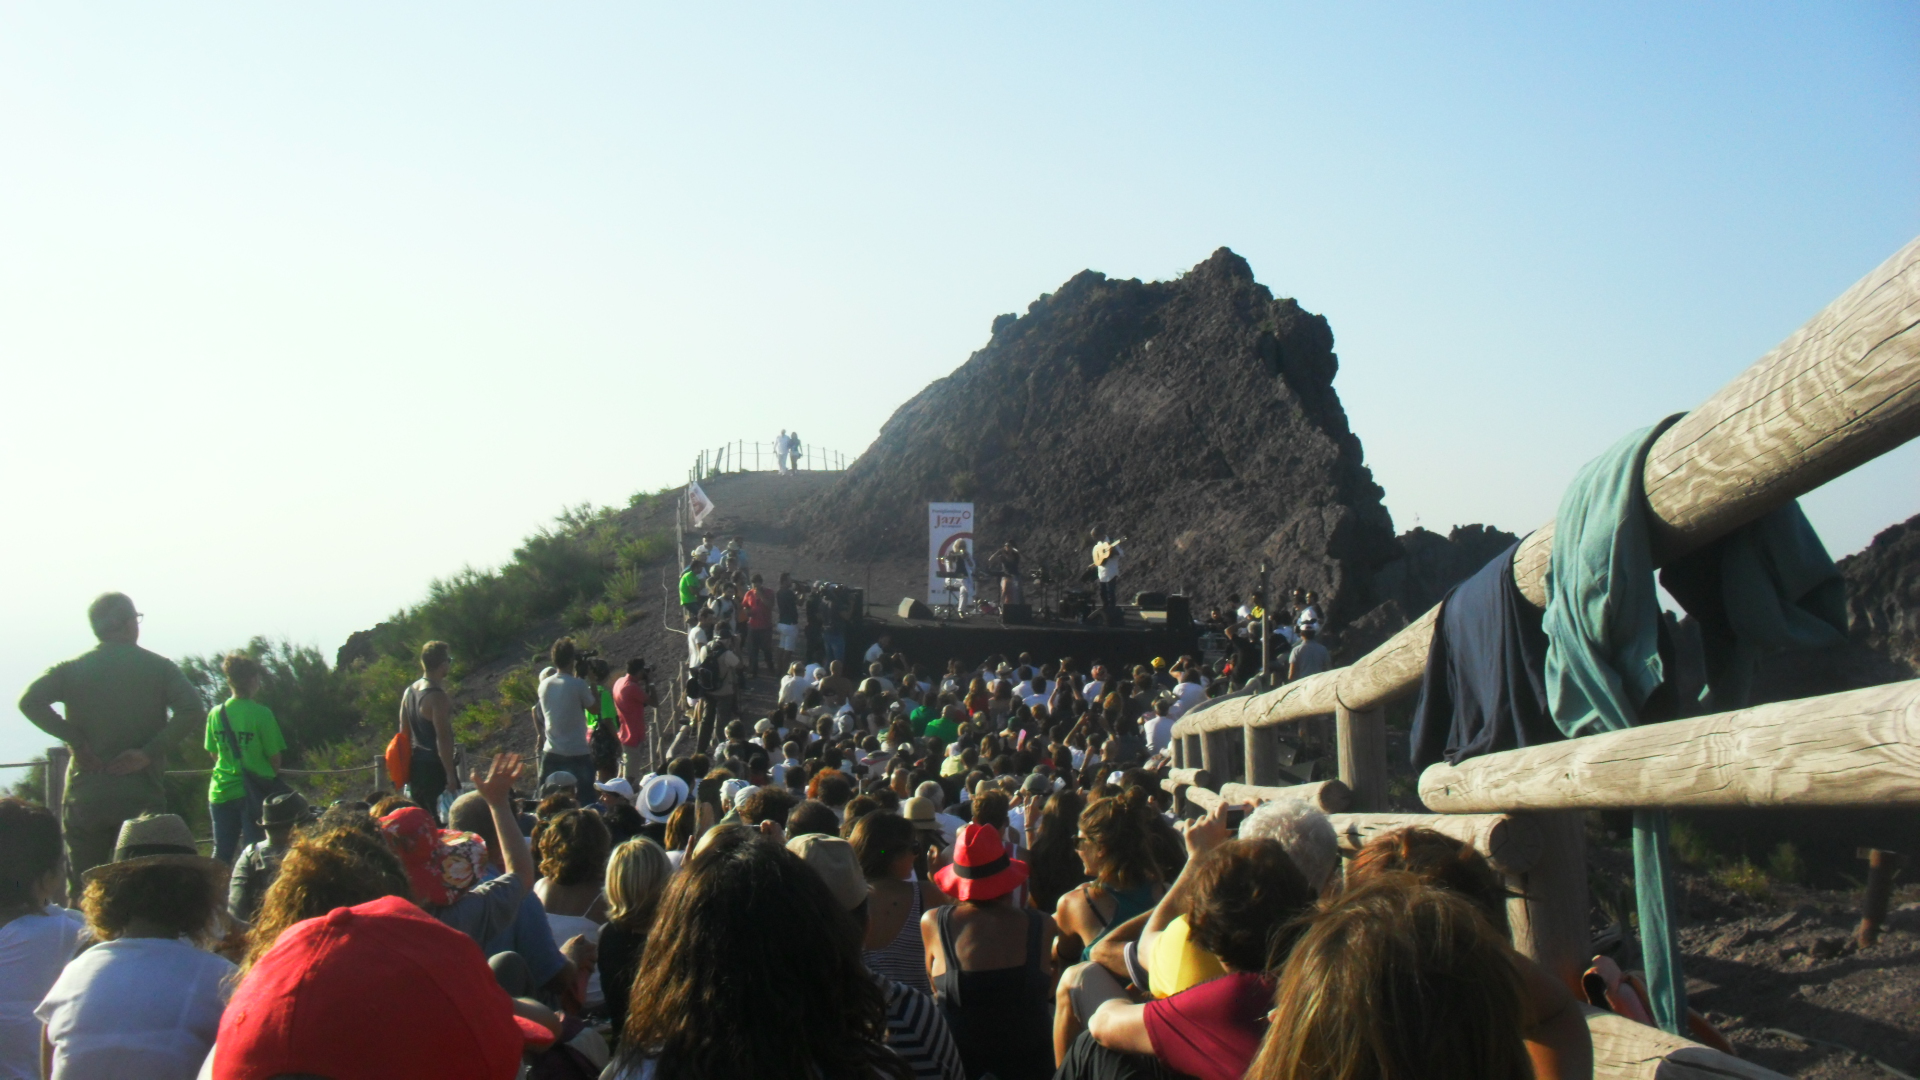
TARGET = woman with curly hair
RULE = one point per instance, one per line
(573, 866)
(753, 969)
(339, 863)
(144, 1004)
(1117, 851)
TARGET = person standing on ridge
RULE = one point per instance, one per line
(759, 604)
(426, 716)
(783, 453)
(118, 698)
(793, 451)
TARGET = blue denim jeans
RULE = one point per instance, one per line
(235, 822)
(836, 645)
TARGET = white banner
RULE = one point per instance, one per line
(698, 502)
(946, 524)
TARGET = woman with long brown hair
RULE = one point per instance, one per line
(753, 969)
(1397, 978)
(1053, 849)
(1116, 850)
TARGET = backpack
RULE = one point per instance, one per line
(704, 678)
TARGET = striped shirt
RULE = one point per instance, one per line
(919, 1034)
(904, 959)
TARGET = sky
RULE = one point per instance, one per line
(302, 306)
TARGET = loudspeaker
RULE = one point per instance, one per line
(1179, 612)
(1016, 615)
(913, 609)
(856, 607)
(1150, 601)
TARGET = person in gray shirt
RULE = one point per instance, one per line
(1309, 657)
(560, 717)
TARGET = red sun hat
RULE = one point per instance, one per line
(441, 863)
(981, 868)
(382, 990)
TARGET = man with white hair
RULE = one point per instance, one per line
(949, 825)
(1306, 834)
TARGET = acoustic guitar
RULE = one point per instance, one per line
(1104, 550)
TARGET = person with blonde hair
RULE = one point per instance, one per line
(637, 876)
(1397, 978)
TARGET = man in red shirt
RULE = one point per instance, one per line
(630, 699)
(759, 604)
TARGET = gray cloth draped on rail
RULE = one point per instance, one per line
(1609, 657)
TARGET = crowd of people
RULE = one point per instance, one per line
(964, 874)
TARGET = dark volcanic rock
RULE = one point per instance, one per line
(1197, 417)
(1883, 594)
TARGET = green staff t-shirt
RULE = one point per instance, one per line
(259, 737)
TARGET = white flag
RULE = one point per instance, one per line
(698, 502)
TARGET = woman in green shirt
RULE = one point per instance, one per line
(241, 735)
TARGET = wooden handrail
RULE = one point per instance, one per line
(1838, 392)
(1859, 748)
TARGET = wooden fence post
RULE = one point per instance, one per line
(1362, 739)
(1263, 756)
(381, 782)
(1216, 754)
(1549, 918)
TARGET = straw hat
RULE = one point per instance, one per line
(157, 838)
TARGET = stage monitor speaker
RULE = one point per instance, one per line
(1116, 618)
(1150, 601)
(913, 609)
(1016, 615)
(1179, 612)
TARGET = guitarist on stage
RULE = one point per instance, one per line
(1108, 554)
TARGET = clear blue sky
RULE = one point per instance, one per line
(303, 305)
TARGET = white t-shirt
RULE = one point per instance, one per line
(1159, 732)
(1110, 570)
(1093, 690)
(135, 1009)
(1186, 696)
(874, 653)
(564, 703)
(33, 949)
(696, 641)
(793, 689)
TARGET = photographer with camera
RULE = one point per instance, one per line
(560, 716)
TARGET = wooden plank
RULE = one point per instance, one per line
(1859, 748)
(1511, 842)
(1362, 740)
(1191, 776)
(1625, 1050)
(1327, 796)
(1838, 392)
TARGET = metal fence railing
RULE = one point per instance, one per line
(743, 456)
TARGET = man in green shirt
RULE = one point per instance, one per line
(690, 590)
(117, 698)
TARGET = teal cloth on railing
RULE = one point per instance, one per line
(1766, 586)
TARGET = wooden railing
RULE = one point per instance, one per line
(1842, 390)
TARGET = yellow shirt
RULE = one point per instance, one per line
(1177, 963)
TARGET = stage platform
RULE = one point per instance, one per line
(930, 643)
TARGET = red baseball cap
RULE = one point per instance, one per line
(371, 992)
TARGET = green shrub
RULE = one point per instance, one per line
(604, 615)
(1745, 878)
(624, 587)
(1786, 866)
(519, 688)
(479, 720)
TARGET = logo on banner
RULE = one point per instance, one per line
(947, 524)
(698, 503)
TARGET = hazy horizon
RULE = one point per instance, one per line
(303, 308)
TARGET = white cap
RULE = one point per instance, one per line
(617, 786)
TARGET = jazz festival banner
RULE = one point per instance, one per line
(946, 523)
